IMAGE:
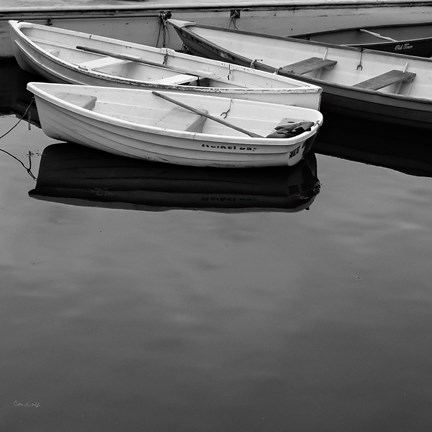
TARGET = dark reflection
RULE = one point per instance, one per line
(74, 174)
(14, 97)
(403, 149)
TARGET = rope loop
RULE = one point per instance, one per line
(360, 66)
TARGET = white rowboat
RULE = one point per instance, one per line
(181, 128)
(66, 56)
(369, 84)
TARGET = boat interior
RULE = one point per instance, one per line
(151, 111)
(130, 63)
(327, 63)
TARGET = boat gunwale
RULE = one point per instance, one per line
(191, 136)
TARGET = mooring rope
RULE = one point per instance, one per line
(233, 22)
(234, 16)
(28, 169)
(163, 28)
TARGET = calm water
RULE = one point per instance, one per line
(124, 310)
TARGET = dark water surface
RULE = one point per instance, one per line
(118, 316)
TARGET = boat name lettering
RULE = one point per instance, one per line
(403, 46)
(228, 147)
(294, 152)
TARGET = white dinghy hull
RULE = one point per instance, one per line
(140, 124)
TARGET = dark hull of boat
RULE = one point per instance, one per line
(414, 39)
(398, 148)
(419, 48)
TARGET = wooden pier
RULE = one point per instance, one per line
(144, 22)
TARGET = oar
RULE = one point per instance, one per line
(377, 35)
(139, 60)
(209, 116)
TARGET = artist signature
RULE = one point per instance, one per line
(26, 404)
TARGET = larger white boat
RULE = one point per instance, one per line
(178, 128)
(380, 86)
(66, 56)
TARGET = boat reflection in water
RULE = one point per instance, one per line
(14, 97)
(403, 149)
(77, 175)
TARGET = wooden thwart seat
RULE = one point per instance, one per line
(180, 119)
(83, 101)
(176, 79)
(54, 52)
(309, 65)
(386, 79)
(100, 62)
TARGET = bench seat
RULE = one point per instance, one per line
(386, 79)
(176, 79)
(83, 101)
(180, 119)
(101, 62)
(308, 65)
